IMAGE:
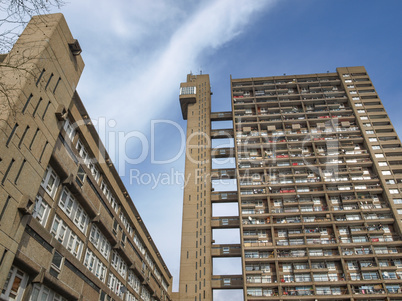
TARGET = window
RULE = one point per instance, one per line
(115, 285)
(352, 217)
(82, 152)
(379, 155)
(81, 175)
(69, 128)
(81, 219)
(363, 118)
(40, 77)
(126, 223)
(26, 103)
(15, 284)
(373, 139)
(119, 264)
(370, 132)
(139, 244)
(130, 297)
(376, 147)
(66, 237)
(67, 201)
(109, 196)
(57, 84)
(73, 210)
(100, 242)
(386, 172)
(316, 252)
(95, 265)
(302, 277)
(57, 263)
(320, 277)
(369, 275)
(382, 164)
(393, 288)
(393, 191)
(94, 171)
(187, 90)
(133, 281)
(41, 210)
(145, 295)
(397, 201)
(50, 181)
(43, 293)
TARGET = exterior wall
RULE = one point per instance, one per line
(17, 86)
(79, 237)
(318, 215)
(318, 168)
(195, 260)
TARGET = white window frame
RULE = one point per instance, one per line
(119, 264)
(69, 129)
(14, 276)
(100, 242)
(73, 210)
(82, 152)
(41, 292)
(114, 284)
(94, 171)
(95, 265)
(41, 210)
(66, 236)
(134, 281)
(50, 181)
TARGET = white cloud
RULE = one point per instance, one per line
(149, 82)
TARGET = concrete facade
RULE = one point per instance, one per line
(318, 172)
(68, 228)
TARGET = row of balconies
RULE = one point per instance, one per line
(280, 241)
(283, 118)
(318, 162)
(295, 252)
(257, 141)
(247, 111)
(245, 180)
(255, 154)
(287, 95)
(291, 82)
(234, 221)
(307, 189)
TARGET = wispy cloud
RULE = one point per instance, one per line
(148, 82)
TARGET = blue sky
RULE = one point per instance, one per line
(137, 53)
